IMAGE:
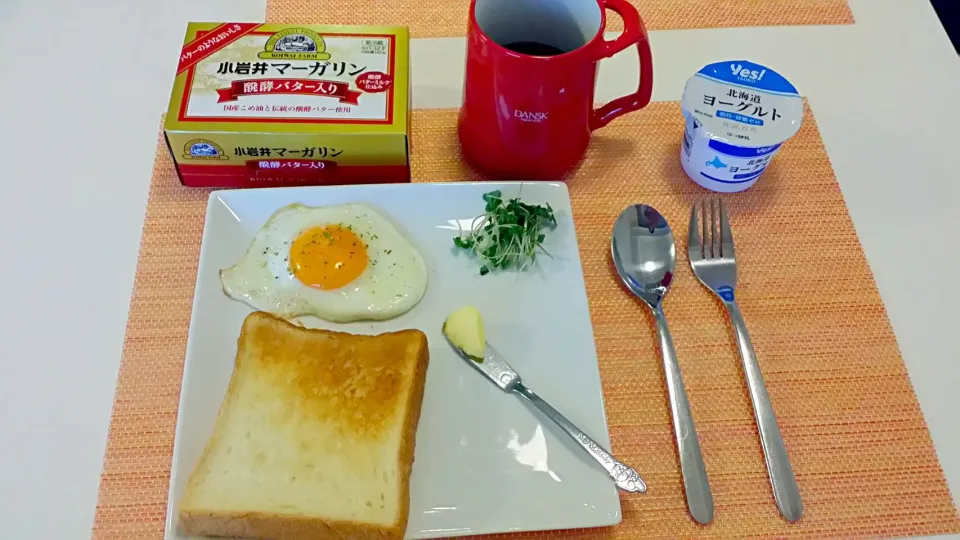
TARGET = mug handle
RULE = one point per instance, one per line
(634, 31)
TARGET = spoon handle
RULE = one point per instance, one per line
(782, 481)
(695, 483)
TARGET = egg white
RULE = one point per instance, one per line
(393, 282)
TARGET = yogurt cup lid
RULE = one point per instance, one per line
(743, 103)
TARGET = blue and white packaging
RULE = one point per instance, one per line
(737, 114)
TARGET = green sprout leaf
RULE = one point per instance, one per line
(508, 234)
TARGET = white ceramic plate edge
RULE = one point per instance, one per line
(214, 198)
(170, 522)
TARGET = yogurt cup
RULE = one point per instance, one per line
(737, 114)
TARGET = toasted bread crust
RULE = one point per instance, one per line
(408, 444)
(267, 525)
(281, 527)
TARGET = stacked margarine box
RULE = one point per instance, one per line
(256, 105)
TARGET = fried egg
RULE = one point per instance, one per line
(340, 263)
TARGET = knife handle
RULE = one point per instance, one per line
(625, 476)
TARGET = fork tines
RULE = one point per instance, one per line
(705, 241)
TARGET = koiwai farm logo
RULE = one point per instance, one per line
(203, 149)
(295, 44)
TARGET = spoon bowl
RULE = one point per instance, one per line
(644, 252)
(645, 256)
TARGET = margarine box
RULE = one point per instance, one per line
(256, 105)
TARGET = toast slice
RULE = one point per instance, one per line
(314, 438)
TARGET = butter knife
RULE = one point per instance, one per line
(497, 370)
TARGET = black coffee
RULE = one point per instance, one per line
(534, 48)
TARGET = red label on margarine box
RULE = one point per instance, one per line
(257, 105)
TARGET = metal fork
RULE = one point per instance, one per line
(714, 264)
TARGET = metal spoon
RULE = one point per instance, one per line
(645, 256)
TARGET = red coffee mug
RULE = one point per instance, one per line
(530, 74)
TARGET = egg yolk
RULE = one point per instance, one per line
(328, 257)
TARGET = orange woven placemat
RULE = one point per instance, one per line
(862, 454)
(449, 18)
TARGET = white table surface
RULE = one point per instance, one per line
(82, 88)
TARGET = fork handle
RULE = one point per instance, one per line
(696, 486)
(782, 481)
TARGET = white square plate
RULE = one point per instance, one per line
(485, 461)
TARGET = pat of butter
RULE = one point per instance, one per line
(464, 328)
